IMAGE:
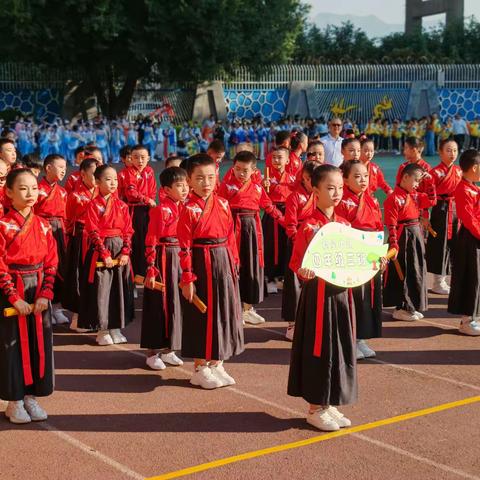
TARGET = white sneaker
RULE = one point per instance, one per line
(322, 420)
(469, 326)
(272, 287)
(249, 317)
(360, 355)
(16, 412)
(418, 314)
(219, 372)
(155, 363)
(117, 336)
(171, 358)
(404, 315)
(254, 313)
(104, 338)
(290, 332)
(365, 349)
(440, 285)
(36, 412)
(203, 377)
(59, 315)
(339, 417)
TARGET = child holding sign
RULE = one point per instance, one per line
(28, 261)
(363, 212)
(323, 364)
(402, 211)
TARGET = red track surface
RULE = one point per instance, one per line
(111, 418)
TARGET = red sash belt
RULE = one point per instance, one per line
(238, 214)
(405, 223)
(451, 204)
(163, 244)
(207, 245)
(22, 322)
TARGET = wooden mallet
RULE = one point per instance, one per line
(140, 280)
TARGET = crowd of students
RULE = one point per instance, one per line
(161, 137)
(205, 256)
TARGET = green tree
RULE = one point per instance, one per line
(115, 43)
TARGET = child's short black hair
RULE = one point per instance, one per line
(414, 142)
(32, 160)
(125, 151)
(5, 141)
(49, 159)
(89, 149)
(138, 147)
(346, 167)
(79, 150)
(468, 159)
(87, 163)
(245, 157)
(348, 141)
(320, 173)
(101, 169)
(444, 141)
(411, 169)
(309, 167)
(281, 149)
(171, 175)
(172, 158)
(217, 146)
(366, 140)
(13, 174)
(281, 137)
(198, 160)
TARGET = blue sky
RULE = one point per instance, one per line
(390, 11)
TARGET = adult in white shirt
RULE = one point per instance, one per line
(333, 142)
(459, 130)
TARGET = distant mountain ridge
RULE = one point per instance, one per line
(370, 24)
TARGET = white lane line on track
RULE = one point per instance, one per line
(363, 437)
(399, 367)
(92, 452)
(414, 456)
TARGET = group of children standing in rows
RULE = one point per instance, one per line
(205, 256)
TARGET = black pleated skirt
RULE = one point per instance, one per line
(60, 237)
(464, 298)
(140, 220)
(251, 277)
(329, 379)
(439, 249)
(12, 384)
(73, 270)
(107, 302)
(368, 308)
(410, 294)
(275, 246)
(224, 337)
(162, 312)
(292, 288)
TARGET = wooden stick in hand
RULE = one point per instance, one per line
(11, 311)
(139, 279)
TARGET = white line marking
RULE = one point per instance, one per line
(91, 451)
(414, 456)
(380, 444)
